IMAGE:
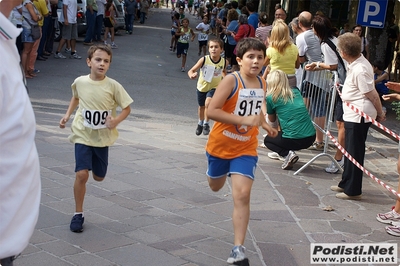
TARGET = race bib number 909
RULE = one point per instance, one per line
(95, 119)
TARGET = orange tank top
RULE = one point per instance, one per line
(227, 141)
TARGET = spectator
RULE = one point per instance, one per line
(358, 30)
(264, 28)
(232, 29)
(285, 104)
(109, 22)
(16, 19)
(280, 13)
(253, 17)
(346, 28)
(49, 44)
(144, 7)
(393, 41)
(31, 17)
(99, 20)
(44, 23)
(358, 90)
(244, 31)
(130, 11)
(282, 54)
(91, 14)
(19, 163)
(323, 29)
(381, 77)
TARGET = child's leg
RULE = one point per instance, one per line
(204, 50)
(241, 187)
(201, 113)
(183, 60)
(81, 178)
(112, 34)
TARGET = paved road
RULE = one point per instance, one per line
(155, 207)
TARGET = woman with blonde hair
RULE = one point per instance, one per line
(285, 107)
(282, 53)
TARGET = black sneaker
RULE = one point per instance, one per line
(206, 129)
(199, 129)
(77, 223)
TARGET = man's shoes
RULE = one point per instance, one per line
(290, 160)
(206, 129)
(237, 256)
(199, 130)
(344, 196)
(114, 46)
(333, 169)
(130, 32)
(127, 32)
(75, 56)
(41, 58)
(337, 189)
(389, 217)
(87, 43)
(67, 50)
(59, 56)
(182, 69)
(77, 223)
(46, 53)
(275, 156)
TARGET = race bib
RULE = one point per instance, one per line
(95, 119)
(208, 72)
(203, 36)
(249, 102)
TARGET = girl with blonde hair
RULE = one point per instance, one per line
(286, 108)
(282, 53)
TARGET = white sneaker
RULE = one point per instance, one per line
(275, 156)
(67, 50)
(333, 169)
(59, 56)
(75, 56)
(290, 160)
(114, 46)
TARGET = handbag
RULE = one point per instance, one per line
(35, 30)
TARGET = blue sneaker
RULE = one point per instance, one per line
(237, 256)
(77, 223)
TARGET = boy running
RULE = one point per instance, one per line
(95, 122)
(185, 34)
(212, 70)
(232, 145)
(204, 29)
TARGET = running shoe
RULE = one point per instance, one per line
(237, 256)
(290, 160)
(333, 169)
(389, 217)
(275, 156)
(76, 225)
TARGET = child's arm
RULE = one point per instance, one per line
(385, 76)
(215, 112)
(192, 73)
(393, 86)
(272, 132)
(391, 97)
(72, 105)
(112, 122)
(193, 35)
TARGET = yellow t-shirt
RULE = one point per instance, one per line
(286, 61)
(97, 99)
(216, 68)
(41, 6)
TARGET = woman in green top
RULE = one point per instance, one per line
(285, 107)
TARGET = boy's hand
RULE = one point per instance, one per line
(63, 121)
(192, 75)
(111, 122)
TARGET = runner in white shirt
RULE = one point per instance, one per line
(204, 29)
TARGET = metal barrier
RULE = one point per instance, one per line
(319, 89)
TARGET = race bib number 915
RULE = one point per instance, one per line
(249, 102)
(95, 119)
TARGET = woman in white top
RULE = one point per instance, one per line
(358, 30)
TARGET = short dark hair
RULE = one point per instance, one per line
(379, 65)
(216, 40)
(250, 6)
(92, 49)
(247, 44)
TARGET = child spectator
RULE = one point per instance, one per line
(397, 67)
(204, 29)
(212, 70)
(231, 149)
(380, 77)
(285, 104)
(109, 22)
(175, 26)
(185, 34)
(94, 126)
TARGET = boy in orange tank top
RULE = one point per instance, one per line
(232, 145)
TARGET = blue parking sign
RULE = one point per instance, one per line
(372, 13)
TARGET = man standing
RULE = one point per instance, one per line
(91, 14)
(19, 161)
(69, 29)
(130, 11)
(253, 17)
(99, 20)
